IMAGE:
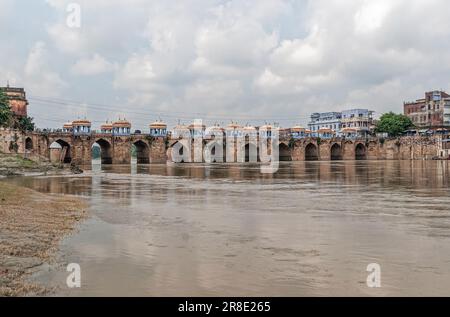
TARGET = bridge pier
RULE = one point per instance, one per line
(121, 149)
(348, 150)
(325, 150)
(81, 150)
(158, 151)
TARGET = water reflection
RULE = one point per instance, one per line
(310, 229)
(404, 174)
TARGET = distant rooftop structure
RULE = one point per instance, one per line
(17, 100)
(330, 123)
(433, 111)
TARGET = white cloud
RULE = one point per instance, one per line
(269, 80)
(39, 76)
(371, 15)
(68, 40)
(36, 59)
(241, 57)
(5, 9)
(137, 73)
(92, 66)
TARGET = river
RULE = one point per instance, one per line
(227, 230)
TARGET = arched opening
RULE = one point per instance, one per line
(177, 152)
(285, 153)
(336, 152)
(28, 144)
(250, 151)
(141, 152)
(60, 152)
(311, 153)
(214, 152)
(181, 153)
(101, 150)
(360, 152)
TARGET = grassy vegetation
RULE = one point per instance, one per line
(13, 164)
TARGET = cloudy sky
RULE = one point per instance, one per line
(248, 61)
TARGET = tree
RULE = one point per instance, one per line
(6, 115)
(9, 120)
(393, 124)
(25, 124)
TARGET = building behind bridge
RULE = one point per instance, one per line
(353, 122)
(431, 112)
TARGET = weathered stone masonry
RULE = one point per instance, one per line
(117, 149)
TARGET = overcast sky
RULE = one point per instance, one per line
(249, 61)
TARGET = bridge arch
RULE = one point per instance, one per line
(336, 152)
(182, 152)
(212, 152)
(142, 152)
(60, 152)
(105, 151)
(311, 152)
(360, 152)
(284, 153)
(28, 144)
(249, 150)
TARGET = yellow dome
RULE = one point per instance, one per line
(122, 124)
(215, 128)
(106, 126)
(81, 122)
(325, 130)
(298, 129)
(158, 125)
(234, 125)
(197, 125)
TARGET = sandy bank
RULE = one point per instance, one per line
(31, 226)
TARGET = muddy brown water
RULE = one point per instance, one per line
(227, 230)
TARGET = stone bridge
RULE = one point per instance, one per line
(69, 148)
(305, 149)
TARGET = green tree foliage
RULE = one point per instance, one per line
(9, 120)
(6, 115)
(393, 124)
(26, 124)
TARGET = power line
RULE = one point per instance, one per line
(190, 115)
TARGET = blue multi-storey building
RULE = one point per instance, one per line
(325, 120)
(354, 122)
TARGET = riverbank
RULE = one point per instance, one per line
(31, 226)
(16, 165)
